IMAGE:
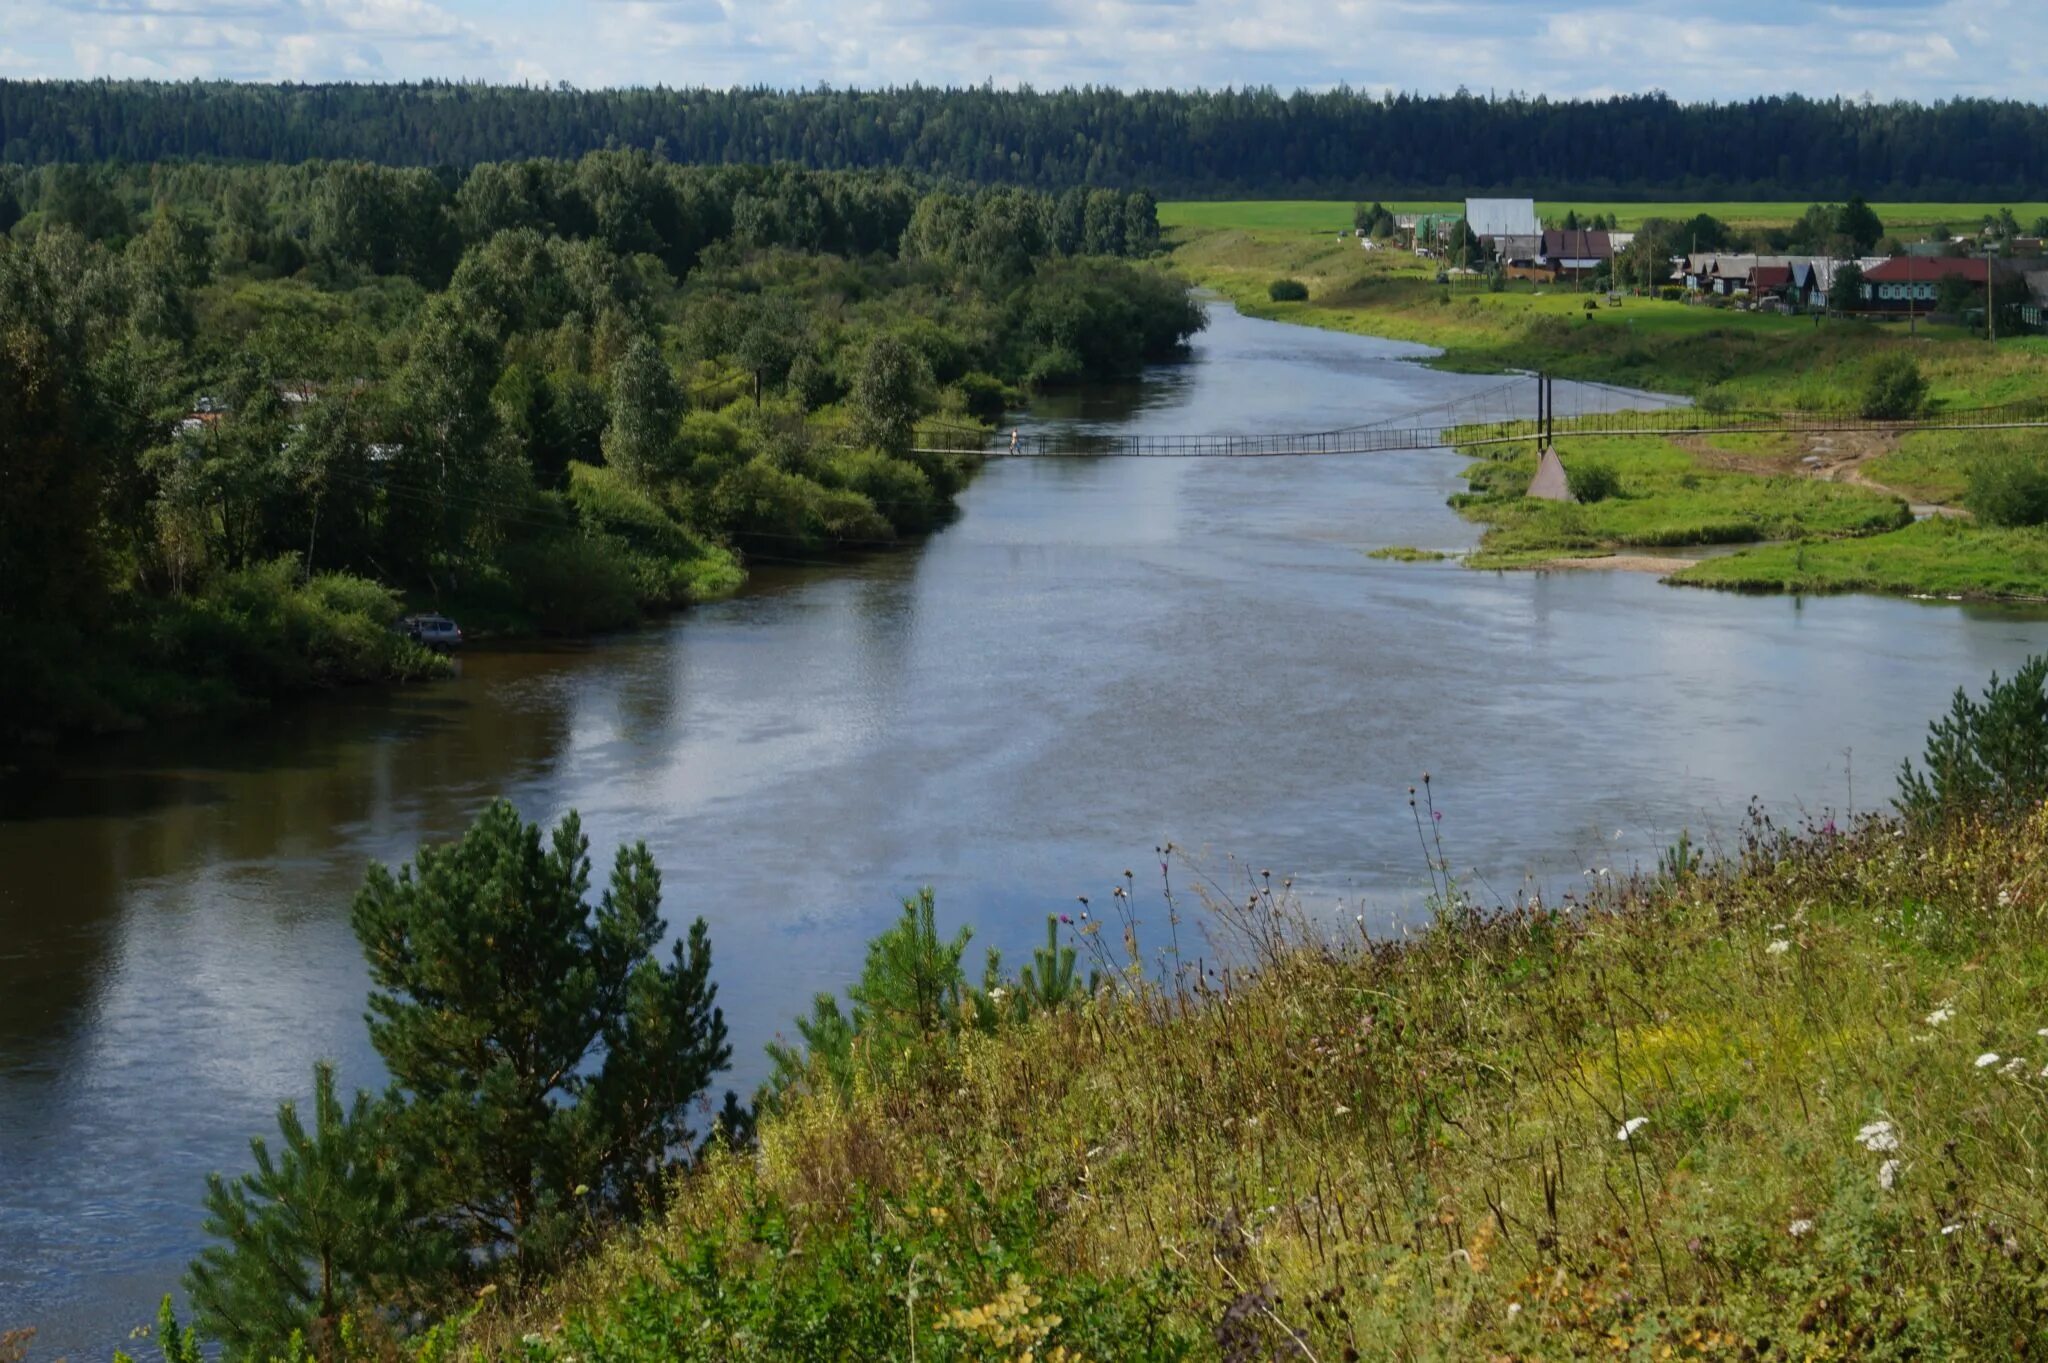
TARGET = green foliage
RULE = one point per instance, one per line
(267, 630)
(1858, 225)
(1894, 389)
(640, 439)
(947, 1273)
(1593, 481)
(322, 1228)
(2008, 488)
(911, 990)
(1287, 291)
(1985, 758)
(543, 1059)
(891, 390)
(576, 583)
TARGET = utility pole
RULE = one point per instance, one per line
(1990, 296)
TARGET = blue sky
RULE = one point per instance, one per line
(1922, 49)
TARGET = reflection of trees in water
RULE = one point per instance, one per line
(307, 795)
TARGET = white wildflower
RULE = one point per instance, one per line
(2042, 1032)
(1800, 1227)
(1951, 1228)
(1879, 1135)
(1340, 1111)
(2005, 899)
(1514, 1309)
(1888, 1174)
(1630, 1127)
(1941, 1014)
(1779, 947)
(2012, 1067)
(1987, 1060)
(998, 994)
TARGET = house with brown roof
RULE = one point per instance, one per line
(1913, 283)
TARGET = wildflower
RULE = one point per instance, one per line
(1941, 1014)
(2042, 1032)
(1888, 1174)
(1068, 921)
(1779, 947)
(1630, 1127)
(1951, 1228)
(1514, 1309)
(2005, 899)
(1800, 1227)
(998, 994)
(1879, 1136)
(1437, 814)
(1340, 1111)
(1987, 1060)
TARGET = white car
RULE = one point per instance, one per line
(435, 631)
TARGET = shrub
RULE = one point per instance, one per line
(1987, 757)
(575, 583)
(1671, 293)
(1594, 482)
(2008, 488)
(896, 488)
(1287, 291)
(1895, 390)
(982, 395)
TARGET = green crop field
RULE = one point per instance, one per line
(1330, 215)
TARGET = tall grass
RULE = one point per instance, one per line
(1787, 1104)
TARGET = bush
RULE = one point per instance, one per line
(896, 488)
(266, 632)
(982, 395)
(2008, 489)
(1594, 482)
(1287, 291)
(1895, 390)
(1987, 758)
(576, 583)
(1671, 293)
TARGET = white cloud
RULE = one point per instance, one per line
(1922, 49)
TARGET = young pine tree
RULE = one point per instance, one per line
(543, 1058)
(319, 1228)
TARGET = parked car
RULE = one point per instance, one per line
(435, 631)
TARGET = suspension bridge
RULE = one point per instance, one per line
(1524, 410)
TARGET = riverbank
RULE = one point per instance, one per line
(1681, 491)
(1540, 1135)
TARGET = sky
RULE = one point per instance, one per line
(1729, 49)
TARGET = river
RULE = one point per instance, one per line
(1095, 657)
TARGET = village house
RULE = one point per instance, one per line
(1913, 283)
(1508, 228)
(1579, 252)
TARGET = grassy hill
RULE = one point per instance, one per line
(1788, 1105)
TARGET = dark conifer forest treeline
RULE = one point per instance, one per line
(1249, 143)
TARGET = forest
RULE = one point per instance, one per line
(1249, 143)
(250, 413)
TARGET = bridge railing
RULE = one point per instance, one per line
(1383, 438)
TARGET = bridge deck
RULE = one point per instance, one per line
(1386, 437)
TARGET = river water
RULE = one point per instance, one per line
(1096, 657)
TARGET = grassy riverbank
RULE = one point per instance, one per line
(1682, 491)
(1786, 1107)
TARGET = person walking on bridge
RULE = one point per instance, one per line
(1013, 440)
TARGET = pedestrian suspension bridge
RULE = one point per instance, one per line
(1524, 410)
